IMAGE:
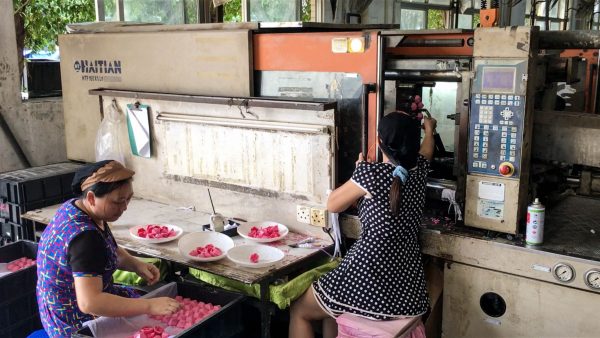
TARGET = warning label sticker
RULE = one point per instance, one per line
(490, 209)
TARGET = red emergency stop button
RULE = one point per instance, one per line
(506, 169)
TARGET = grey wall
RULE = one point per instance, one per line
(10, 101)
(42, 127)
(38, 124)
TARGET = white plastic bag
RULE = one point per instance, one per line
(108, 142)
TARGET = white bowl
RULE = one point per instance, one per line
(267, 255)
(244, 229)
(178, 232)
(195, 239)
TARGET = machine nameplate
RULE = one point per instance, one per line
(490, 209)
(491, 191)
(493, 321)
(541, 268)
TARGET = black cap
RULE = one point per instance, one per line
(400, 136)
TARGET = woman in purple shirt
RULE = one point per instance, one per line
(78, 254)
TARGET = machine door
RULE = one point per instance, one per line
(485, 303)
(344, 88)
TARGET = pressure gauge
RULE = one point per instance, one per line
(563, 272)
(592, 279)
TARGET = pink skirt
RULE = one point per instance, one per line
(351, 326)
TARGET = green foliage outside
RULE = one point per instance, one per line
(191, 11)
(476, 20)
(44, 20)
(435, 19)
(232, 11)
(306, 11)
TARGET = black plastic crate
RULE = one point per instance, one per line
(37, 184)
(225, 323)
(19, 314)
(43, 78)
(12, 232)
(16, 210)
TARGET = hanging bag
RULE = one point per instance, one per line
(108, 141)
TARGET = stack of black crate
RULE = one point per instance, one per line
(29, 189)
(19, 315)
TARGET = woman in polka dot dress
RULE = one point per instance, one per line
(381, 277)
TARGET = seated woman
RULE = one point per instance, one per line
(382, 276)
(78, 254)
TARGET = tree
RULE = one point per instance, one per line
(43, 20)
(232, 11)
(39, 22)
(435, 19)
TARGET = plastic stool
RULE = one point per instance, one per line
(38, 334)
(352, 326)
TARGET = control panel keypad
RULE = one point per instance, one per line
(495, 132)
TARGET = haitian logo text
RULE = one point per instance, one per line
(89, 69)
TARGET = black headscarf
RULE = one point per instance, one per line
(84, 173)
(400, 136)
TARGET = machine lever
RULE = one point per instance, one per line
(367, 89)
(440, 150)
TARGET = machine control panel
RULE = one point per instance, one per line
(496, 134)
(496, 123)
(499, 129)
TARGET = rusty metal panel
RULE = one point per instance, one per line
(567, 137)
(505, 256)
(506, 42)
(257, 168)
(289, 163)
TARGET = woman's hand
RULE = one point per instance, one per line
(148, 272)
(429, 125)
(162, 306)
(361, 158)
(428, 143)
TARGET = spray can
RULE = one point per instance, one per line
(534, 234)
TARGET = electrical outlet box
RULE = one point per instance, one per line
(318, 217)
(303, 214)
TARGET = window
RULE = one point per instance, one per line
(188, 11)
(436, 14)
(413, 19)
(279, 10)
(537, 9)
(273, 10)
(163, 11)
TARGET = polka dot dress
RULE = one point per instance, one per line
(381, 277)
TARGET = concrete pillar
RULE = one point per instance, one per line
(10, 93)
(37, 124)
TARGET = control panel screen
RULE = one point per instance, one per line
(499, 80)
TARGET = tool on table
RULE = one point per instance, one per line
(217, 221)
(305, 241)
